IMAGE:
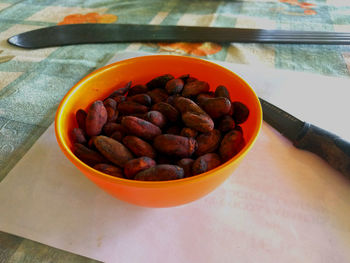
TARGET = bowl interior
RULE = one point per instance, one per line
(99, 84)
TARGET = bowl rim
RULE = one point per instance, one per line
(138, 183)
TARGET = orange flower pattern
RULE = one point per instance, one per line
(304, 5)
(197, 49)
(88, 18)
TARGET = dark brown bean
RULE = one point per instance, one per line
(87, 155)
(109, 102)
(186, 165)
(194, 88)
(138, 89)
(78, 135)
(119, 98)
(130, 107)
(221, 91)
(112, 114)
(139, 147)
(188, 132)
(174, 86)
(208, 142)
(170, 112)
(113, 150)
(226, 124)
(109, 169)
(110, 127)
(175, 145)
(240, 112)
(216, 107)
(80, 116)
(198, 122)
(159, 82)
(187, 105)
(201, 98)
(158, 95)
(143, 99)
(96, 118)
(141, 128)
(205, 163)
(231, 144)
(156, 117)
(137, 165)
(161, 172)
(121, 91)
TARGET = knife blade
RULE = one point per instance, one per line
(305, 136)
(114, 33)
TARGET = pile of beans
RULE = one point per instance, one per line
(167, 129)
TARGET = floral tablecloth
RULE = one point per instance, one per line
(32, 82)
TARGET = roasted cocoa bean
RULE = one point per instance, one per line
(201, 98)
(198, 122)
(109, 169)
(184, 77)
(188, 132)
(240, 112)
(208, 142)
(231, 144)
(87, 155)
(205, 163)
(109, 102)
(137, 165)
(185, 105)
(170, 112)
(170, 99)
(80, 116)
(112, 114)
(174, 86)
(143, 99)
(110, 127)
(158, 95)
(156, 117)
(138, 89)
(119, 98)
(96, 118)
(187, 78)
(161, 172)
(113, 150)
(221, 91)
(194, 88)
(121, 91)
(226, 124)
(159, 82)
(175, 145)
(130, 107)
(141, 128)
(186, 165)
(216, 107)
(78, 135)
(139, 147)
(91, 144)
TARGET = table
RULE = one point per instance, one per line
(32, 82)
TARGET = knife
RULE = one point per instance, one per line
(306, 136)
(113, 33)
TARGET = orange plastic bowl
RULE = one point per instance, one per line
(99, 84)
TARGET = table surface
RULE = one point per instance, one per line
(32, 82)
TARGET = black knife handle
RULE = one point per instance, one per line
(330, 147)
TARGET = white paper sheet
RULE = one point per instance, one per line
(280, 205)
